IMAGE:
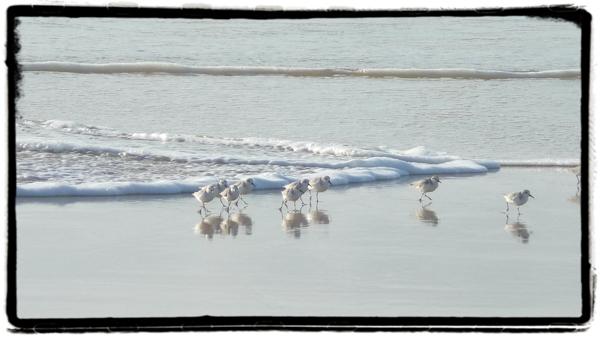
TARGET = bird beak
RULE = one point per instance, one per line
(252, 184)
(532, 196)
(309, 185)
(330, 183)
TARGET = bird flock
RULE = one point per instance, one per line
(292, 192)
(234, 193)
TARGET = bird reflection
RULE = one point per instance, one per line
(226, 226)
(292, 221)
(426, 215)
(209, 226)
(317, 216)
(229, 227)
(243, 220)
(518, 230)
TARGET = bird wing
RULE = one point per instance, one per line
(419, 183)
(511, 196)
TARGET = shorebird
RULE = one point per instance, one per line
(205, 195)
(290, 194)
(230, 194)
(517, 198)
(245, 186)
(220, 186)
(301, 185)
(320, 184)
(426, 185)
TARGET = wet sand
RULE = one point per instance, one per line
(369, 250)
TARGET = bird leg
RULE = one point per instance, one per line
(427, 196)
(507, 208)
(221, 200)
(303, 203)
(518, 211)
(280, 207)
(244, 201)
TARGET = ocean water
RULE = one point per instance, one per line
(119, 120)
(134, 106)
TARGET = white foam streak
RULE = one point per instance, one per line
(417, 154)
(178, 69)
(412, 167)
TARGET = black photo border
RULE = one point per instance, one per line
(202, 323)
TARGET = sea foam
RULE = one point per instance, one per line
(343, 163)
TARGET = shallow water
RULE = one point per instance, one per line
(372, 251)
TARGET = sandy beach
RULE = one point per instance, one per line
(369, 250)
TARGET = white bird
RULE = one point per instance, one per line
(517, 198)
(230, 194)
(290, 194)
(426, 185)
(220, 186)
(320, 184)
(205, 195)
(301, 185)
(245, 186)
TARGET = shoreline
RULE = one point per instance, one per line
(158, 188)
